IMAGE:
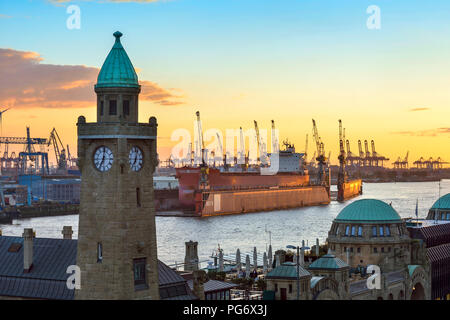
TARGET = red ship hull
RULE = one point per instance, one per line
(240, 192)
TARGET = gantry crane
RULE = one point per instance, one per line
(30, 154)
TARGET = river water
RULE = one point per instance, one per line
(246, 231)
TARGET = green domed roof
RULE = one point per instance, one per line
(442, 203)
(368, 210)
(117, 70)
(329, 262)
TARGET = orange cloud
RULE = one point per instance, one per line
(425, 133)
(419, 109)
(27, 82)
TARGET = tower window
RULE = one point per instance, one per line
(112, 107)
(138, 197)
(353, 231)
(101, 107)
(381, 231)
(388, 231)
(126, 108)
(140, 277)
(99, 252)
(375, 250)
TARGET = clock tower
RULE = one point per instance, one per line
(117, 252)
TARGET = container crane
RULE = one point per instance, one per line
(361, 160)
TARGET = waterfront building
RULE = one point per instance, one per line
(366, 232)
(434, 233)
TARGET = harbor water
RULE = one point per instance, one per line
(245, 231)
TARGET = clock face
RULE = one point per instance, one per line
(135, 159)
(103, 159)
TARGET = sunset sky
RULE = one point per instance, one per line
(237, 61)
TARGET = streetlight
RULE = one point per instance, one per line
(298, 268)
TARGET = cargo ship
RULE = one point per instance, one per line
(210, 191)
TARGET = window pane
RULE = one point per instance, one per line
(112, 107)
(353, 231)
(139, 272)
(374, 231)
(126, 107)
(381, 231)
(388, 231)
(347, 230)
(101, 108)
(359, 231)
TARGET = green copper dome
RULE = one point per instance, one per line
(442, 203)
(117, 70)
(368, 210)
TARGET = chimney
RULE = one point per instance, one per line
(67, 232)
(28, 236)
(199, 280)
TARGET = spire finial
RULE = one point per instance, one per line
(117, 34)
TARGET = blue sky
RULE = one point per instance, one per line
(292, 58)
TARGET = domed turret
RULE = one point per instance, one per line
(117, 87)
(117, 70)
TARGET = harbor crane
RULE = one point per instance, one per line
(58, 147)
(224, 156)
(361, 154)
(402, 164)
(1, 120)
(261, 159)
(321, 159)
(201, 143)
(342, 174)
(275, 145)
(306, 151)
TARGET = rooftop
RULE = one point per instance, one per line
(117, 70)
(328, 262)
(368, 210)
(287, 270)
(47, 278)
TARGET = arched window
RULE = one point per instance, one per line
(381, 231)
(374, 231)
(347, 230)
(353, 231)
(388, 231)
(359, 231)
